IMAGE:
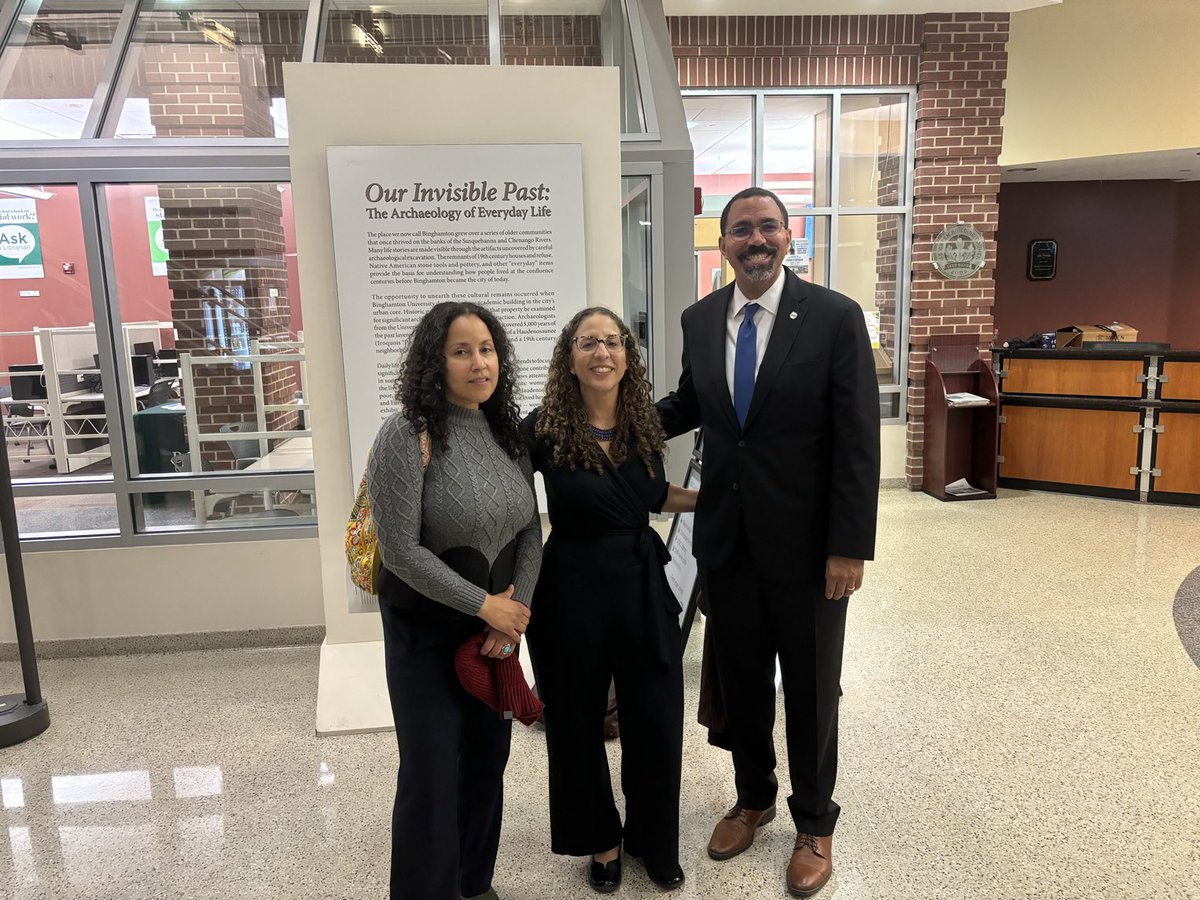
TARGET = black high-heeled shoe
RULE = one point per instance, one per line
(605, 878)
(667, 878)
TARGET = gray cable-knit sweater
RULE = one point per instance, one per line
(473, 495)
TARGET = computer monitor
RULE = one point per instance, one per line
(144, 348)
(28, 387)
(143, 369)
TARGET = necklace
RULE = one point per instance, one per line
(602, 434)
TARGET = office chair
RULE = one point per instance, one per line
(29, 431)
(160, 393)
(245, 453)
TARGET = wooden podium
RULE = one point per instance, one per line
(960, 441)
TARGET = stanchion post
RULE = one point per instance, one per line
(22, 716)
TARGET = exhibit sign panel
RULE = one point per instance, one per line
(496, 224)
(20, 243)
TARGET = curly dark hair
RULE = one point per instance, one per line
(420, 386)
(562, 420)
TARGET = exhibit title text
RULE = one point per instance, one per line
(467, 192)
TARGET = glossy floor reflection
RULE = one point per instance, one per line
(1020, 720)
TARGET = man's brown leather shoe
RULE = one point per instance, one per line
(811, 865)
(735, 833)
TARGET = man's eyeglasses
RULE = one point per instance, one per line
(588, 344)
(768, 229)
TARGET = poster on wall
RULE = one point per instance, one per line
(496, 224)
(20, 242)
(154, 229)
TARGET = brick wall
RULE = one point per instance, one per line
(550, 40)
(958, 63)
(533, 40)
(960, 99)
(795, 51)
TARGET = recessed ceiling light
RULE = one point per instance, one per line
(1022, 169)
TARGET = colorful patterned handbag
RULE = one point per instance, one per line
(362, 549)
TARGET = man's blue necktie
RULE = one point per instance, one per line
(745, 356)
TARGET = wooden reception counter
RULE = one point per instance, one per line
(1113, 423)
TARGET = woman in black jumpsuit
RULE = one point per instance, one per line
(603, 606)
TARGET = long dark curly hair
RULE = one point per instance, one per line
(421, 389)
(563, 423)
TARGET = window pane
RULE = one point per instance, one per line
(889, 406)
(809, 256)
(56, 422)
(546, 37)
(190, 510)
(90, 514)
(722, 132)
(208, 68)
(868, 251)
(635, 242)
(871, 145)
(411, 31)
(208, 297)
(51, 66)
(796, 149)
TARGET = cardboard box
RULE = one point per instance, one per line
(1075, 335)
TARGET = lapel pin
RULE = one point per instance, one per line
(792, 314)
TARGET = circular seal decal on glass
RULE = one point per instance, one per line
(958, 252)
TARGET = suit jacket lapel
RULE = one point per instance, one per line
(788, 319)
(713, 331)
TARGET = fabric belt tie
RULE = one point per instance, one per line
(653, 555)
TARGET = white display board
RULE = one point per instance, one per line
(683, 570)
(433, 105)
(496, 224)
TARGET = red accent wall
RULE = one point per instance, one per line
(1122, 257)
(64, 299)
(143, 296)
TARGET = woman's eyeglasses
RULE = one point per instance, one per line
(768, 229)
(588, 344)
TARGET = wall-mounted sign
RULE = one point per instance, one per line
(959, 252)
(1042, 262)
(20, 242)
(154, 229)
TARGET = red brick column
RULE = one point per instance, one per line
(226, 247)
(960, 99)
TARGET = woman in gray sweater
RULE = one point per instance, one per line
(451, 493)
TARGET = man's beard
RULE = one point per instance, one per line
(758, 271)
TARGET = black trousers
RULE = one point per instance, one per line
(753, 620)
(453, 750)
(578, 643)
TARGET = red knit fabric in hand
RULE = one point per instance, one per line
(499, 683)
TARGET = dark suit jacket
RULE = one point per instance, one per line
(803, 474)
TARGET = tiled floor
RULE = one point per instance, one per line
(1020, 720)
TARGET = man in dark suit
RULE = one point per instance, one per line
(780, 374)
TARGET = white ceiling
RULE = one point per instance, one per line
(842, 7)
(1176, 165)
